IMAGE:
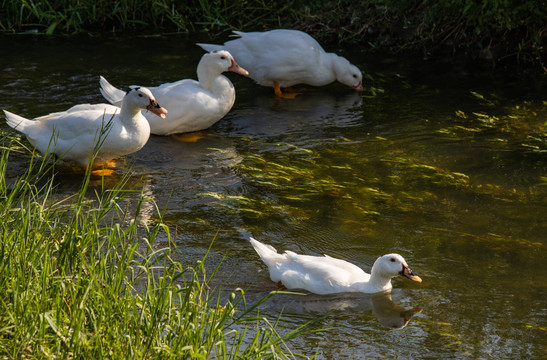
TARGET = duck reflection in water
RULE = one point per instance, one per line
(386, 311)
(390, 314)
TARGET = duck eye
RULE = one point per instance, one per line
(223, 57)
(354, 76)
(140, 95)
(392, 259)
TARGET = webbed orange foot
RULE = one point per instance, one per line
(188, 137)
(102, 172)
(104, 169)
(290, 94)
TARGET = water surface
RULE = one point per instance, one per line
(443, 163)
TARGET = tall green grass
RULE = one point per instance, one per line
(68, 16)
(79, 278)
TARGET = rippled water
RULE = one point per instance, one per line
(442, 163)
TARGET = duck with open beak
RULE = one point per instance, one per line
(155, 108)
(406, 272)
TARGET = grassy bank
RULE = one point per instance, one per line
(488, 29)
(80, 279)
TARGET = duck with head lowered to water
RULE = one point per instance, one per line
(282, 58)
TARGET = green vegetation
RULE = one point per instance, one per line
(520, 126)
(81, 279)
(67, 16)
(302, 176)
(489, 29)
(355, 182)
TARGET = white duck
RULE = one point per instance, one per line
(74, 134)
(282, 58)
(327, 275)
(193, 105)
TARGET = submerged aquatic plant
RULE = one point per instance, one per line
(523, 125)
(292, 187)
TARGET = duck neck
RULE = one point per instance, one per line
(378, 281)
(206, 78)
(328, 73)
(128, 114)
(218, 85)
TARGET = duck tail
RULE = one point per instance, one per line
(237, 33)
(267, 253)
(210, 47)
(17, 122)
(112, 94)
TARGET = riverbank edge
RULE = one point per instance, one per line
(486, 29)
(82, 277)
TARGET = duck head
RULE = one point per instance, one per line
(222, 61)
(391, 265)
(347, 73)
(143, 98)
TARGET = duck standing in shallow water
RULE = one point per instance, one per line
(193, 105)
(326, 275)
(283, 58)
(75, 133)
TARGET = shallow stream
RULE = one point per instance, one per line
(443, 163)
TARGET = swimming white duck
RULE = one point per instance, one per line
(283, 58)
(193, 105)
(327, 275)
(75, 133)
